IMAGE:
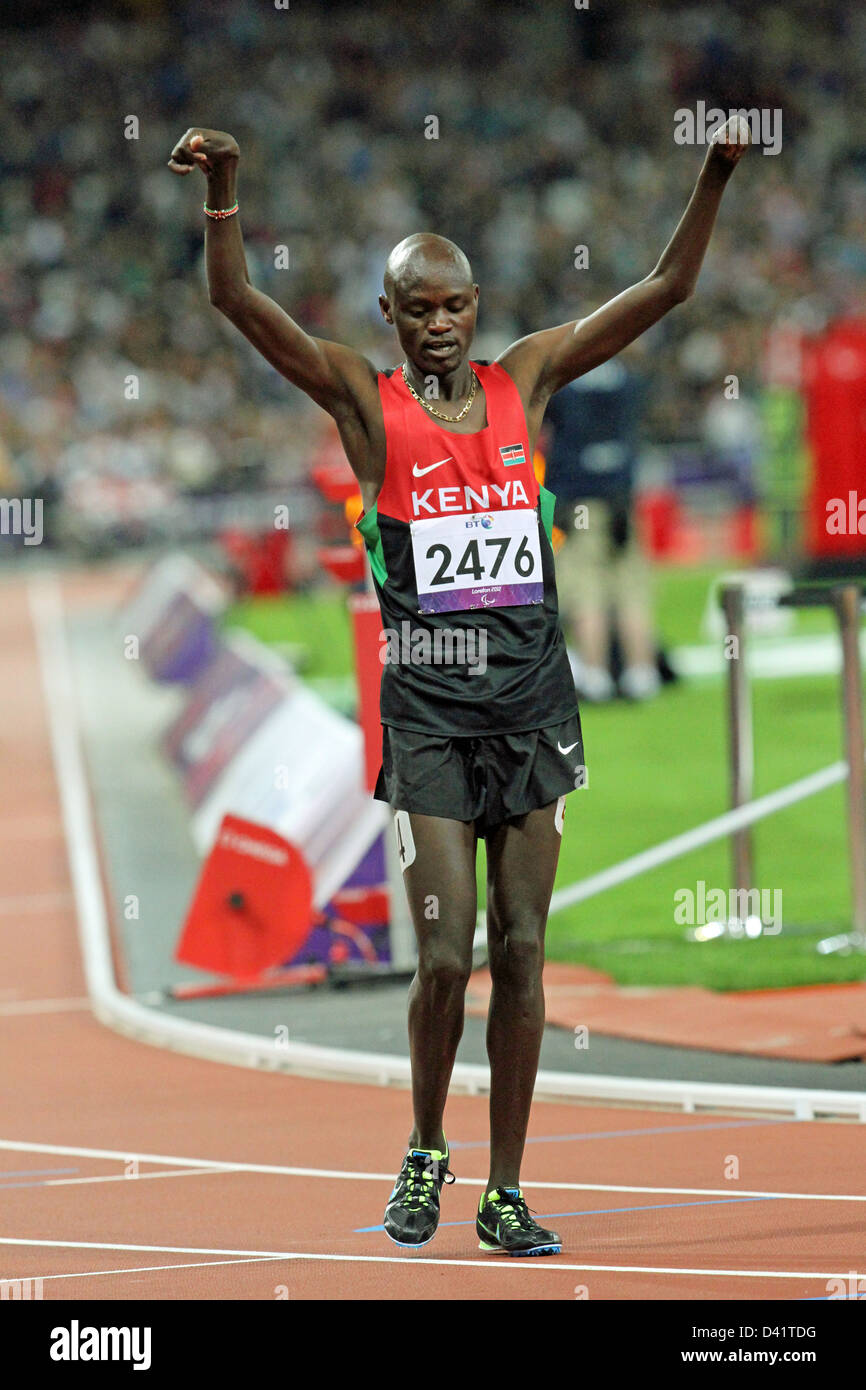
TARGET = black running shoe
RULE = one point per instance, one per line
(412, 1213)
(504, 1224)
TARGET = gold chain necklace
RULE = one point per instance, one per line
(452, 419)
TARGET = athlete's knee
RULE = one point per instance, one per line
(517, 956)
(444, 969)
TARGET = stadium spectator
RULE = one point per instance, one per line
(603, 580)
(553, 141)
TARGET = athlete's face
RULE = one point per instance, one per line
(433, 309)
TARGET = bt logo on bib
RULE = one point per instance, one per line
(485, 521)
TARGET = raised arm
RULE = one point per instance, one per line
(336, 377)
(543, 362)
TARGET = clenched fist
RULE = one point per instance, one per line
(730, 141)
(208, 150)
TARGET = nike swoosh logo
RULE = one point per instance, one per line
(419, 472)
(569, 748)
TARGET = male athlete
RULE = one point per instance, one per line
(458, 534)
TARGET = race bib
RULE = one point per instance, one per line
(480, 560)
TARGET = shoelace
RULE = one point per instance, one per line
(420, 1177)
(514, 1212)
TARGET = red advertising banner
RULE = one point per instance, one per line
(367, 629)
(252, 907)
(834, 382)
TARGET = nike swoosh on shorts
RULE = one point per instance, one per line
(419, 472)
(569, 748)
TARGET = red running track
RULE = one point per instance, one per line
(108, 1188)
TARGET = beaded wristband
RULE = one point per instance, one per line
(219, 213)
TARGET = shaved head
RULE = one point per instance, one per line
(424, 254)
(431, 302)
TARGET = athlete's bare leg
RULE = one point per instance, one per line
(443, 901)
(521, 866)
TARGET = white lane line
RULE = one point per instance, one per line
(413, 1261)
(150, 1249)
(145, 1269)
(43, 1006)
(127, 1177)
(281, 1170)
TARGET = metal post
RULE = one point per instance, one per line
(740, 737)
(846, 604)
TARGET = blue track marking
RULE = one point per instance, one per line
(33, 1172)
(605, 1211)
(43, 1173)
(629, 1133)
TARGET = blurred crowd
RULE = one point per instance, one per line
(121, 387)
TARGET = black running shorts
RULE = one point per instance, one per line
(487, 780)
